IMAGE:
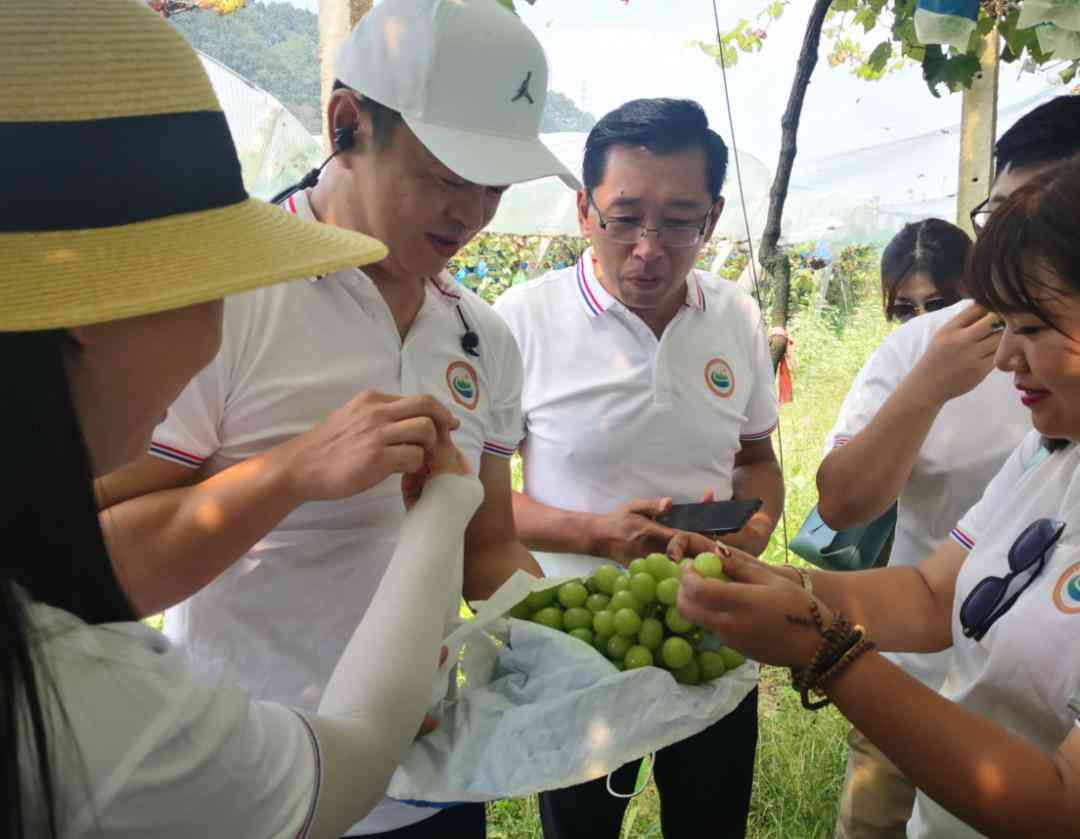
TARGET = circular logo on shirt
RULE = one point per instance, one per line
(720, 378)
(1067, 591)
(463, 383)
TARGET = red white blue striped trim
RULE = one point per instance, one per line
(588, 297)
(498, 450)
(176, 455)
(694, 292)
(305, 828)
(962, 538)
(841, 440)
(758, 435)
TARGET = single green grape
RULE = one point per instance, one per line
(573, 594)
(605, 577)
(577, 618)
(676, 652)
(676, 622)
(732, 658)
(712, 665)
(603, 623)
(660, 566)
(637, 656)
(710, 565)
(624, 600)
(549, 616)
(521, 611)
(643, 587)
(667, 591)
(597, 602)
(638, 566)
(537, 600)
(627, 623)
(651, 634)
(688, 675)
(622, 583)
(582, 634)
(617, 646)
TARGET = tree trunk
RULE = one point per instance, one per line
(771, 257)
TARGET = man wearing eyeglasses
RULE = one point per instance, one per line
(646, 382)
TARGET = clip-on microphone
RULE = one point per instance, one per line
(470, 341)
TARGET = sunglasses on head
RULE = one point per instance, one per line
(904, 312)
(987, 601)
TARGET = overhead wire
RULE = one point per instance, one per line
(749, 239)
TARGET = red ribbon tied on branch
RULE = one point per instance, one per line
(785, 390)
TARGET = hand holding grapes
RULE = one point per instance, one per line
(758, 612)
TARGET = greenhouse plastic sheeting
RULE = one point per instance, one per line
(275, 149)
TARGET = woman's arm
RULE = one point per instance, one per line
(381, 688)
(1000, 784)
(859, 481)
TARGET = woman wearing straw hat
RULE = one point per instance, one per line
(116, 250)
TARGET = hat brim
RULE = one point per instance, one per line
(71, 278)
(488, 159)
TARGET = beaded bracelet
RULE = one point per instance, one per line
(841, 644)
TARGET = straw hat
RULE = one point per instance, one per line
(123, 189)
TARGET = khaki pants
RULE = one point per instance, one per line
(877, 799)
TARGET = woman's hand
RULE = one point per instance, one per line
(960, 355)
(447, 459)
(760, 613)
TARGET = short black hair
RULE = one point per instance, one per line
(934, 246)
(383, 119)
(1048, 134)
(663, 126)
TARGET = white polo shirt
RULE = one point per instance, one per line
(612, 412)
(1025, 672)
(153, 741)
(293, 353)
(966, 446)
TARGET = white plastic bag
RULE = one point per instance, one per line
(539, 710)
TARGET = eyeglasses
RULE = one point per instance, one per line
(904, 312)
(980, 215)
(983, 606)
(684, 235)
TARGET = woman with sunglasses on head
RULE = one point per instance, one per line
(997, 751)
(921, 398)
(129, 224)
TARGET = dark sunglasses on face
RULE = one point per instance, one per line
(987, 601)
(904, 312)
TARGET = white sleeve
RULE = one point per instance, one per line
(191, 432)
(383, 683)
(165, 755)
(761, 408)
(506, 429)
(873, 385)
(997, 496)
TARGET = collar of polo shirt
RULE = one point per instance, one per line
(596, 299)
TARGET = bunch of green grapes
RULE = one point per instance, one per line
(630, 617)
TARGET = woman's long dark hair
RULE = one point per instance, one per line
(51, 546)
(933, 246)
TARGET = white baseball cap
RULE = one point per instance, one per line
(467, 76)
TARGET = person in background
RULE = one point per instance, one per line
(995, 752)
(646, 381)
(922, 268)
(110, 301)
(930, 398)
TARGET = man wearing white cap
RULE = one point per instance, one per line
(436, 111)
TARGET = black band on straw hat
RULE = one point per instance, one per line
(110, 172)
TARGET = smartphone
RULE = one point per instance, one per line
(712, 516)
